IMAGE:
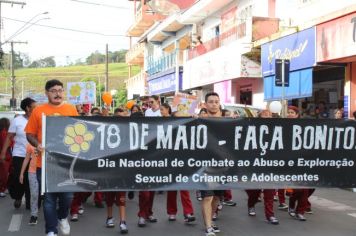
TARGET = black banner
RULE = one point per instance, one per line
(111, 153)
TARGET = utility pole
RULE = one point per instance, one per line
(13, 98)
(107, 69)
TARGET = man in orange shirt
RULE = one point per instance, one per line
(54, 107)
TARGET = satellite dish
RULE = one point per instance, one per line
(163, 7)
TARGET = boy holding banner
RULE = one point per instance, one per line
(54, 107)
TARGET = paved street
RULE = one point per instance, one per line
(334, 214)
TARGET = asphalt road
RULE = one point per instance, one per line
(334, 214)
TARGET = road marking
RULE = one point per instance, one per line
(352, 214)
(15, 223)
(222, 142)
(331, 205)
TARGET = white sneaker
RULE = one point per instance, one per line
(64, 226)
(74, 218)
(123, 228)
(171, 217)
(51, 234)
(81, 210)
(2, 194)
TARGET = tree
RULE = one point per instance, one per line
(121, 96)
(19, 60)
(95, 58)
(45, 62)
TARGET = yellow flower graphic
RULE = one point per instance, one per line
(75, 90)
(78, 138)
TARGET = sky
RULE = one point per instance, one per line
(111, 20)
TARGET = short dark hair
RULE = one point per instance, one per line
(167, 106)
(94, 109)
(203, 110)
(26, 103)
(155, 97)
(4, 124)
(211, 94)
(137, 106)
(137, 114)
(118, 109)
(51, 83)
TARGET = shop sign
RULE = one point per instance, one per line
(215, 66)
(336, 38)
(163, 84)
(299, 48)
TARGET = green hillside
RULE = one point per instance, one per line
(33, 79)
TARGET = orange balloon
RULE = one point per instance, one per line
(107, 98)
(130, 104)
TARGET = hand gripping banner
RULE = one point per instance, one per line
(114, 153)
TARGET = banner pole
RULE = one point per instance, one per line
(43, 172)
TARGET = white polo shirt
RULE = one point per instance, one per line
(17, 127)
(151, 113)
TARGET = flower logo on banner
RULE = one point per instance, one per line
(78, 138)
(75, 90)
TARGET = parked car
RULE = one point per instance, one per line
(243, 110)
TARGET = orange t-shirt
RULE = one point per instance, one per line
(34, 124)
(33, 162)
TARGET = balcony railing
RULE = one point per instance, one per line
(135, 54)
(225, 38)
(161, 64)
(255, 28)
(136, 85)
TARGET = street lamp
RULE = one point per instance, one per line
(27, 25)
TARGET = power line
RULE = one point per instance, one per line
(68, 29)
(99, 4)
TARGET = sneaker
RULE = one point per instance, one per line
(123, 227)
(131, 195)
(17, 203)
(74, 218)
(229, 203)
(275, 198)
(300, 217)
(81, 210)
(152, 219)
(215, 216)
(282, 206)
(99, 205)
(291, 212)
(141, 222)
(210, 232)
(215, 228)
(172, 218)
(2, 194)
(110, 223)
(33, 220)
(189, 218)
(198, 195)
(309, 211)
(51, 234)
(251, 211)
(273, 220)
(220, 206)
(64, 226)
